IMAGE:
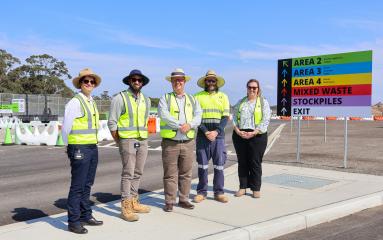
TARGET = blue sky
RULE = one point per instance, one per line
(238, 39)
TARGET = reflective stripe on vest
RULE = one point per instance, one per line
(257, 110)
(84, 129)
(133, 123)
(189, 108)
(214, 106)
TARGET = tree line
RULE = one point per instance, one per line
(40, 74)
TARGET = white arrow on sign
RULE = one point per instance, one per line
(283, 101)
(284, 111)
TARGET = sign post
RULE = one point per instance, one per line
(326, 85)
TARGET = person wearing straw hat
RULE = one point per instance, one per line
(211, 135)
(79, 132)
(180, 115)
(128, 124)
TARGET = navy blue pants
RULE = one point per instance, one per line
(250, 154)
(216, 151)
(83, 162)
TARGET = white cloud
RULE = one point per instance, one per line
(124, 37)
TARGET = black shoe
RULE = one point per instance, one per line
(168, 207)
(186, 205)
(79, 229)
(92, 222)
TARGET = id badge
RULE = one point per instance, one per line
(78, 155)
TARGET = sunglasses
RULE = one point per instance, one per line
(211, 81)
(86, 81)
(137, 80)
(252, 88)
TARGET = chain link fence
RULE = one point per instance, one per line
(44, 104)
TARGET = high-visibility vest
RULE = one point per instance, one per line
(84, 129)
(214, 106)
(257, 110)
(133, 123)
(189, 108)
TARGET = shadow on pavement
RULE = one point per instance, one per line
(26, 214)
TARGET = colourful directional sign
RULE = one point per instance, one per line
(325, 85)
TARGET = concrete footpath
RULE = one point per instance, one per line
(293, 198)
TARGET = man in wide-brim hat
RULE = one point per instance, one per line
(210, 139)
(79, 132)
(128, 124)
(180, 114)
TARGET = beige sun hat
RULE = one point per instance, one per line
(178, 72)
(210, 74)
(83, 73)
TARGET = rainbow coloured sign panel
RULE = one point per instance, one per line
(325, 85)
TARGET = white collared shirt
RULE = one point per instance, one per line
(73, 110)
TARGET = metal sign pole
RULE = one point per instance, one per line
(345, 143)
(291, 124)
(299, 140)
(325, 129)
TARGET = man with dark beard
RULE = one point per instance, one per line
(128, 124)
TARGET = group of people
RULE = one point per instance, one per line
(188, 123)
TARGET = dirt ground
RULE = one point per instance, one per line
(365, 146)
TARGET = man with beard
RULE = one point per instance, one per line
(210, 140)
(127, 123)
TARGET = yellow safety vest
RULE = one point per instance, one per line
(257, 110)
(84, 129)
(214, 106)
(133, 123)
(189, 108)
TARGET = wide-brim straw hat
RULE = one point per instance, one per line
(83, 73)
(178, 72)
(211, 74)
(136, 72)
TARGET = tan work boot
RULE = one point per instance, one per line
(199, 198)
(240, 192)
(138, 207)
(256, 194)
(127, 211)
(221, 198)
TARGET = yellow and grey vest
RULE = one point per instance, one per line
(257, 110)
(84, 129)
(214, 106)
(133, 123)
(189, 108)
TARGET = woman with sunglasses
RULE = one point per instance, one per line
(79, 132)
(251, 119)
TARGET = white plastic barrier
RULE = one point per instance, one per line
(48, 136)
(103, 131)
(6, 122)
(158, 121)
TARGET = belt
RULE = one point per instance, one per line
(178, 141)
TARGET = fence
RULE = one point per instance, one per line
(35, 104)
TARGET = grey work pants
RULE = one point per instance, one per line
(177, 160)
(133, 162)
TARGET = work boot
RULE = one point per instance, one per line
(240, 192)
(127, 211)
(256, 194)
(221, 198)
(199, 198)
(138, 207)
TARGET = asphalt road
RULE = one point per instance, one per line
(34, 180)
